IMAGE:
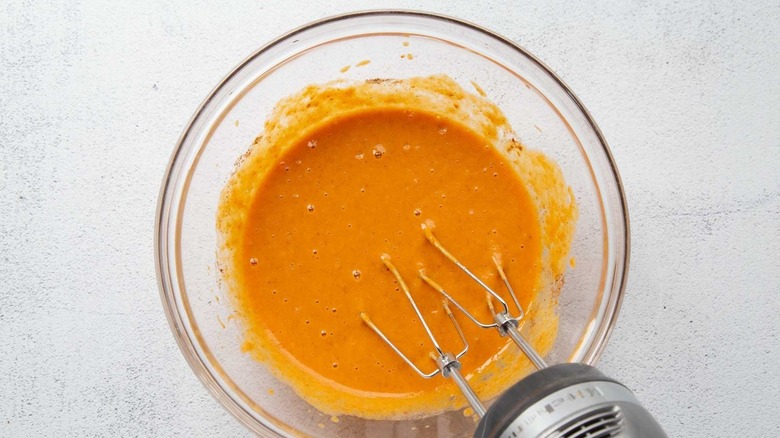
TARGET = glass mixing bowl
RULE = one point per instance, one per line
(544, 113)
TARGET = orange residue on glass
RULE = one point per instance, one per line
(478, 89)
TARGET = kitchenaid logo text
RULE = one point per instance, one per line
(573, 396)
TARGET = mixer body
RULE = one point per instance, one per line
(567, 401)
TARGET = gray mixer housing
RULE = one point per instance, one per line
(568, 401)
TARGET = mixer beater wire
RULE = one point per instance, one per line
(506, 324)
(449, 364)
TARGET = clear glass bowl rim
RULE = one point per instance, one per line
(175, 168)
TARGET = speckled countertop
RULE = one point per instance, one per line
(93, 98)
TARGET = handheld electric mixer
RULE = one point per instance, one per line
(568, 400)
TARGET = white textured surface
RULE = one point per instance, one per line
(93, 98)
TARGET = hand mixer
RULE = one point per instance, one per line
(568, 400)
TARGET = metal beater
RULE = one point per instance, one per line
(568, 400)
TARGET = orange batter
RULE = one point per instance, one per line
(351, 174)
